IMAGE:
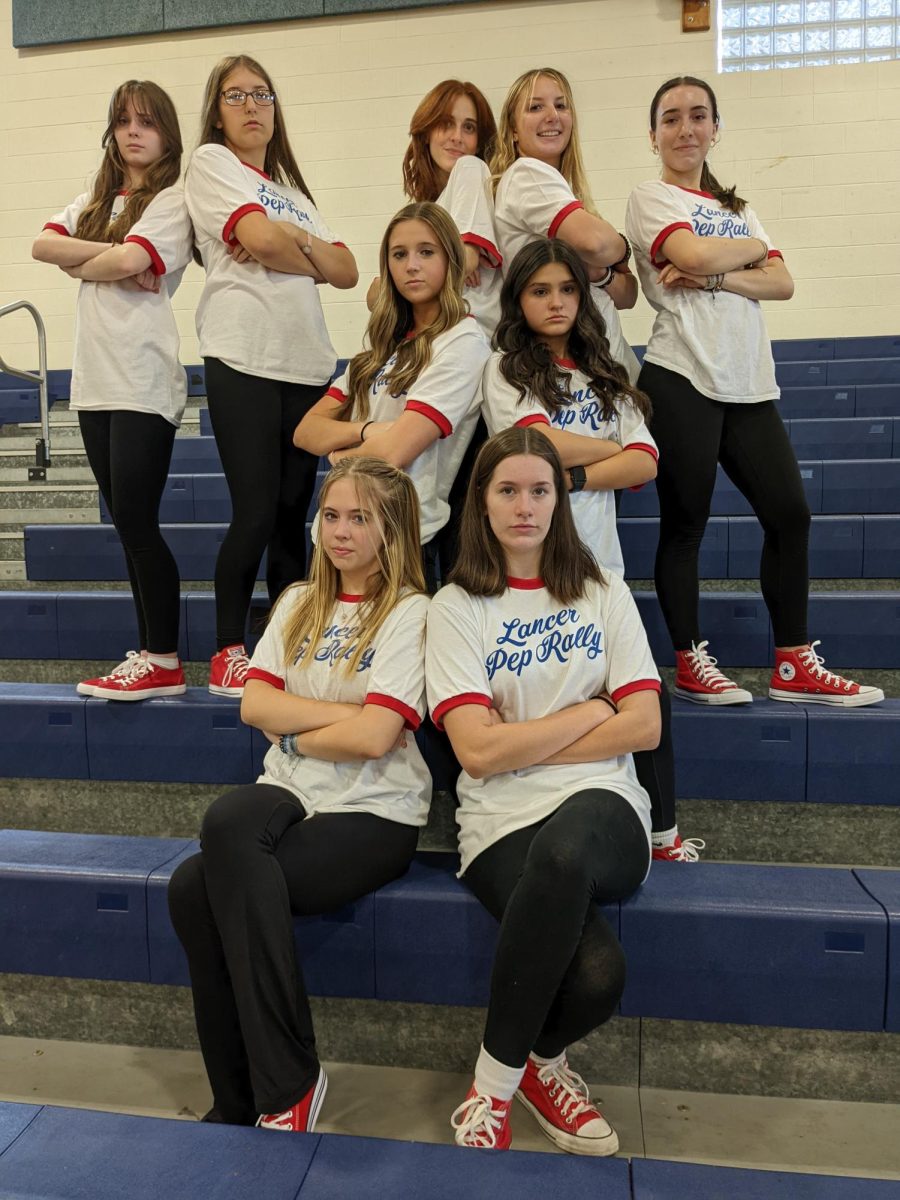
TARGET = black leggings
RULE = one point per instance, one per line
(129, 453)
(656, 769)
(695, 433)
(271, 484)
(232, 907)
(559, 970)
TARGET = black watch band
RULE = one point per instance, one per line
(578, 477)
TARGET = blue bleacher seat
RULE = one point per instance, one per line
(879, 346)
(196, 379)
(802, 349)
(195, 455)
(803, 374)
(853, 755)
(835, 548)
(858, 371)
(881, 555)
(100, 625)
(735, 623)
(28, 625)
(205, 423)
(878, 400)
(19, 404)
(804, 947)
(75, 905)
(855, 437)
(212, 500)
(639, 535)
(377, 1169)
(817, 402)
(177, 503)
(740, 752)
(653, 1179)
(200, 623)
(14, 1120)
(43, 731)
(857, 629)
(861, 486)
(884, 886)
(202, 740)
(726, 499)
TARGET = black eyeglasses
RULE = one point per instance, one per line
(235, 96)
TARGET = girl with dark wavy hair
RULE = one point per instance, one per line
(262, 333)
(129, 240)
(705, 263)
(554, 371)
(522, 647)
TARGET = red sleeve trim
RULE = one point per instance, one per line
(57, 228)
(489, 252)
(651, 450)
(459, 701)
(432, 414)
(157, 266)
(411, 719)
(661, 237)
(561, 216)
(534, 419)
(776, 254)
(639, 685)
(336, 394)
(228, 228)
(266, 676)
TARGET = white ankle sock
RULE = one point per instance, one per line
(493, 1078)
(548, 1062)
(664, 837)
(169, 661)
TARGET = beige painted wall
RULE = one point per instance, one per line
(817, 151)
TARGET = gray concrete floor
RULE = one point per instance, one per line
(819, 1136)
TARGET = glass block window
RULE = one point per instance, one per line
(756, 36)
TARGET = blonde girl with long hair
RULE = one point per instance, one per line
(336, 682)
(541, 190)
(262, 335)
(414, 387)
(128, 239)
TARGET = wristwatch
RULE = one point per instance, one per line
(578, 478)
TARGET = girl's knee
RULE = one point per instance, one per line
(186, 892)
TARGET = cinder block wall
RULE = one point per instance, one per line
(817, 151)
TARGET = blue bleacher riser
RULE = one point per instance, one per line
(98, 625)
(884, 886)
(735, 624)
(653, 1179)
(196, 379)
(195, 456)
(205, 423)
(835, 548)
(19, 405)
(44, 732)
(740, 752)
(881, 555)
(878, 346)
(803, 349)
(877, 400)
(28, 625)
(77, 905)
(853, 760)
(856, 437)
(859, 371)
(857, 629)
(726, 499)
(817, 402)
(94, 551)
(200, 623)
(57, 383)
(639, 535)
(212, 500)
(176, 505)
(337, 949)
(759, 945)
(863, 486)
(196, 738)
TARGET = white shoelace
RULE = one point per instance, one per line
(282, 1121)
(135, 666)
(689, 850)
(236, 671)
(476, 1123)
(705, 668)
(814, 663)
(569, 1091)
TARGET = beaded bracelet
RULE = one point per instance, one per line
(287, 744)
(714, 283)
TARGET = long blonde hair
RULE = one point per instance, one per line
(506, 151)
(280, 163)
(387, 494)
(149, 100)
(392, 316)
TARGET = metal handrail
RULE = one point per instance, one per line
(42, 446)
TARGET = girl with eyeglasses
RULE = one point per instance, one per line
(129, 240)
(262, 334)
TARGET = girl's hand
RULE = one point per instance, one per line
(274, 738)
(239, 253)
(147, 281)
(473, 264)
(672, 277)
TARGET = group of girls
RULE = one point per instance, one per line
(532, 657)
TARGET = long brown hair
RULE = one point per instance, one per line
(480, 570)
(392, 316)
(280, 163)
(506, 151)
(727, 197)
(420, 181)
(389, 497)
(149, 100)
(528, 363)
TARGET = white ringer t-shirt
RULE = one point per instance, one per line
(390, 673)
(257, 320)
(447, 393)
(126, 339)
(594, 512)
(533, 200)
(468, 198)
(716, 340)
(527, 655)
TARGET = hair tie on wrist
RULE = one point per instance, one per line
(362, 432)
